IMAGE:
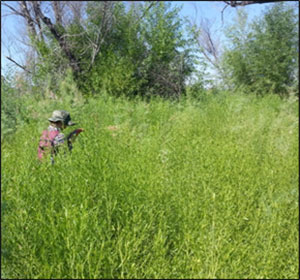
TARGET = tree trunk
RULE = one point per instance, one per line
(59, 37)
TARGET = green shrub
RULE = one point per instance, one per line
(263, 56)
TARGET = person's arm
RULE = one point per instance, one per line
(72, 136)
(59, 139)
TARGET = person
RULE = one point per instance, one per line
(53, 138)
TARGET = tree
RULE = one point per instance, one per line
(137, 51)
(48, 22)
(264, 58)
(168, 59)
(145, 51)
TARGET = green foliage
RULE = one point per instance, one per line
(142, 58)
(195, 89)
(20, 105)
(173, 190)
(168, 60)
(264, 57)
(13, 107)
(68, 88)
(134, 51)
(50, 67)
(9, 108)
(117, 76)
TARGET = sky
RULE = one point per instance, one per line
(195, 11)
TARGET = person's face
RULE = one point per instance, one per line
(61, 125)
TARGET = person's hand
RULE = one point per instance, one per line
(73, 135)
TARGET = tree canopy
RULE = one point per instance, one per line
(146, 48)
(263, 57)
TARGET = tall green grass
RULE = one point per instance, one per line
(180, 190)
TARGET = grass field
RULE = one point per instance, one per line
(191, 189)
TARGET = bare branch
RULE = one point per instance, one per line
(38, 22)
(235, 4)
(139, 19)
(58, 36)
(76, 8)
(29, 19)
(245, 3)
(102, 32)
(57, 12)
(24, 68)
(222, 13)
(16, 12)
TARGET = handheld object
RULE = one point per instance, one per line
(71, 137)
(75, 132)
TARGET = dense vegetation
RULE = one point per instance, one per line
(264, 57)
(175, 190)
(170, 179)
